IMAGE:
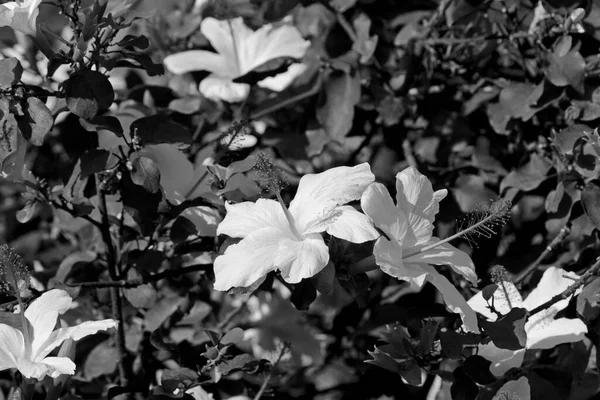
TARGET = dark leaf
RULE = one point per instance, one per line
(87, 93)
(453, 343)
(10, 72)
(268, 69)
(142, 296)
(508, 331)
(181, 229)
(145, 173)
(140, 42)
(463, 387)
(590, 200)
(103, 122)
(336, 115)
(157, 129)
(303, 295)
(488, 291)
(478, 369)
(94, 161)
(588, 301)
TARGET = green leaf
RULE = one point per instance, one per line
(234, 336)
(566, 138)
(588, 301)
(336, 115)
(142, 296)
(103, 122)
(566, 71)
(145, 173)
(478, 369)
(342, 6)
(87, 93)
(10, 72)
(102, 360)
(590, 200)
(157, 129)
(508, 331)
(94, 161)
(528, 176)
(36, 122)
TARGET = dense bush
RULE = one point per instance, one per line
(316, 199)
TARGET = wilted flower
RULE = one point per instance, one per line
(543, 330)
(239, 51)
(21, 15)
(27, 346)
(408, 248)
(289, 240)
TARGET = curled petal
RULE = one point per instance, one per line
(51, 366)
(554, 281)
(200, 60)
(415, 196)
(319, 194)
(218, 87)
(453, 299)
(554, 332)
(12, 346)
(43, 312)
(446, 254)
(518, 389)
(75, 332)
(281, 81)
(502, 359)
(300, 259)
(377, 203)
(245, 218)
(245, 262)
(351, 225)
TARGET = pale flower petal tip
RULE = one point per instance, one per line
(20, 15)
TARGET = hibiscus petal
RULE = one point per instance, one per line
(229, 38)
(218, 87)
(51, 366)
(348, 224)
(12, 346)
(505, 298)
(446, 254)
(554, 281)
(298, 260)
(199, 60)
(318, 194)
(415, 196)
(245, 218)
(377, 203)
(281, 81)
(502, 359)
(249, 260)
(75, 332)
(269, 43)
(453, 299)
(388, 255)
(43, 312)
(555, 332)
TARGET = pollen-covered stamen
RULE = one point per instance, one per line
(14, 276)
(269, 180)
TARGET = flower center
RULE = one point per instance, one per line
(289, 217)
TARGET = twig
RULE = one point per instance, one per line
(547, 251)
(129, 283)
(568, 292)
(263, 387)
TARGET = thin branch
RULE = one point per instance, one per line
(547, 251)
(263, 387)
(130, 283)
(568, 292)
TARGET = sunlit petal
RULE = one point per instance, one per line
(51, 366)
(318, 194)
(518, 389)
(218, 87)
(446, 254)
(12, 346)
(298, 260)
(245, 218)
(245, 262)
(555, 332)
(415, 196)
(505, 298)
(554, 281)
(75, 332)
(377, 203)
(43, 312)
(388, 255)
(281, 81)
(229, 38)
(453, 299)
(200, 60)
(348, 224)
(269, 43)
